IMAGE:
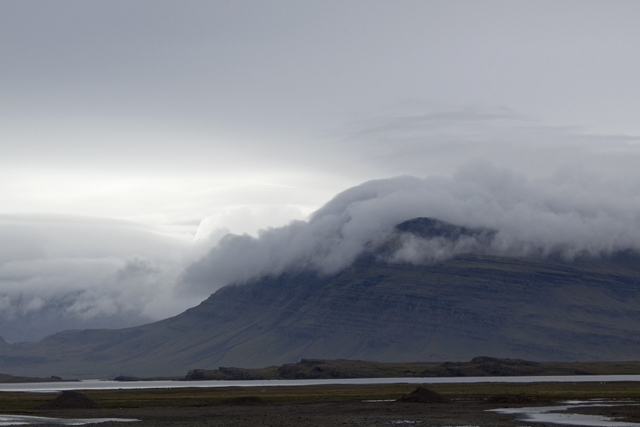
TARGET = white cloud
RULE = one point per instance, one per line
(567, 213)
(246, 219)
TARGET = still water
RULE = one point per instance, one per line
(558, 415)
(114, 385)
(16, 420)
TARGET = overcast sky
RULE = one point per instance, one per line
(135, 134)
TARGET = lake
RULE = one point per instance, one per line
(114, 385)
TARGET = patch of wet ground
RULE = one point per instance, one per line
(597, 413)
(627, 411)
(315, 414)
(249, 412)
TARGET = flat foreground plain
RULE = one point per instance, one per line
(328, 405)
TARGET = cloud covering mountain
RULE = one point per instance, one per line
(76, 272)
(567, 214)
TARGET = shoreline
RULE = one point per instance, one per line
(49, 386)
(329, 405)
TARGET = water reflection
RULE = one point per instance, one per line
(555, 415)
(15, 420)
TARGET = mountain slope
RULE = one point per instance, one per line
(470, 305)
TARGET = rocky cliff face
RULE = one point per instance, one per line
(466, 306)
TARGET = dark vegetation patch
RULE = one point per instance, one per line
(4, 378)
(504, 398)
(129, 378)
(126, 378)
(223, 373)
(477, 367)
(244, 400)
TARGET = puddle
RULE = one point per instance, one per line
(553, 415)
(16, 420)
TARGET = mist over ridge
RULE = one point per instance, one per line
(568, 214)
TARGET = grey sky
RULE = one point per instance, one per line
(182, 121)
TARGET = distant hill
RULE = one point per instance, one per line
(4, 379)
(472, 304)
(481, 366)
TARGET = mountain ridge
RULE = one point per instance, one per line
(454, 309)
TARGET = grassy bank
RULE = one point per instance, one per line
(195, 397)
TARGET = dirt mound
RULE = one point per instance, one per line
(424, 395)
(244, 400)
(71, 400)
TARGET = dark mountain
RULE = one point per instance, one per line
(3, 344)
(472, 304)
(428, 228)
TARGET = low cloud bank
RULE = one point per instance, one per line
(571, 213)
(63, 272)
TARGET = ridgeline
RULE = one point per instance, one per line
(541, 308)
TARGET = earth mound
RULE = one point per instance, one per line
(71, 400)
(424, 395)
(244, 400)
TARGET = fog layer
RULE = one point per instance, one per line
(63, 272)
